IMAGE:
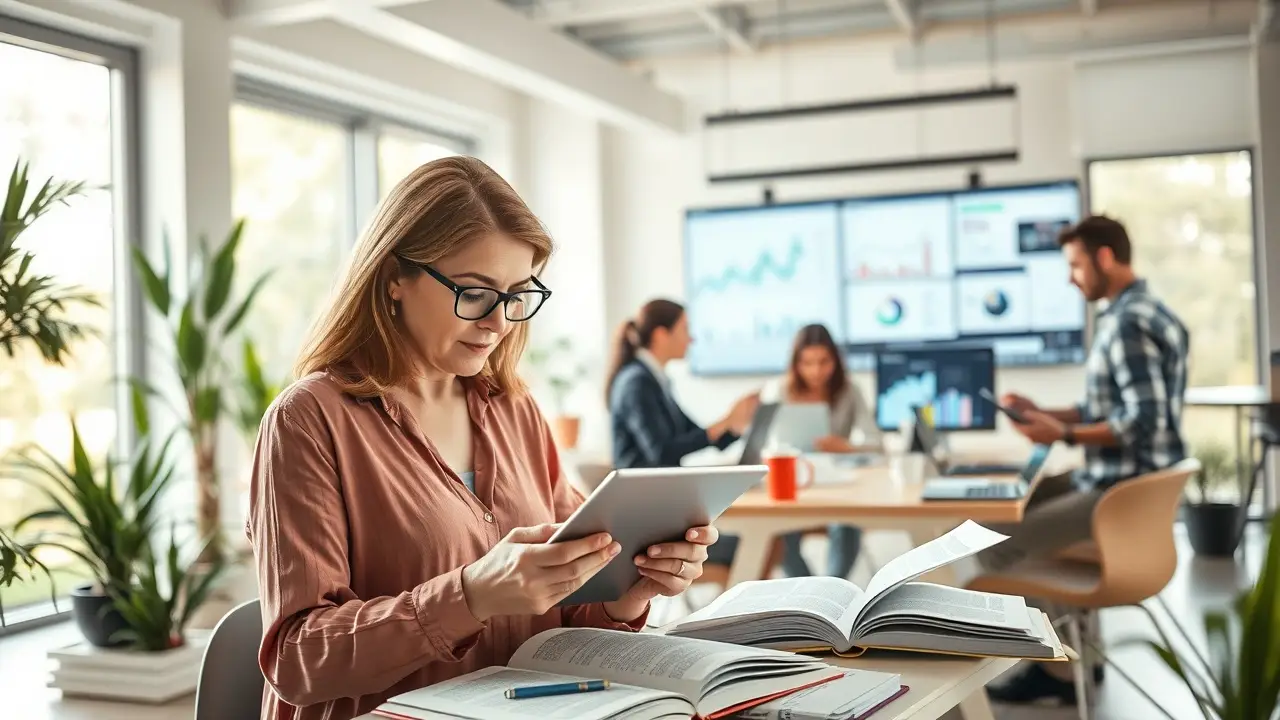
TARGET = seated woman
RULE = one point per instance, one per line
(817, 375)
(649, 429)
(403, 489)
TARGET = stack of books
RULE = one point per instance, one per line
(83, 670)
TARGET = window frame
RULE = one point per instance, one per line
(128, 310)
(363, 128)
(1261, 345)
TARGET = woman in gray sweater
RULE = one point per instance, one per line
(817, 375)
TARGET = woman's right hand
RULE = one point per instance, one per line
(523, 575)
(740, 416)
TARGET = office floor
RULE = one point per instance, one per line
(1199, 584)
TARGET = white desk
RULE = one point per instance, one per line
(937, 684)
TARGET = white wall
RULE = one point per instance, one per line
(651, 180)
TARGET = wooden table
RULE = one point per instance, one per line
(871, 498)
(1238, 397)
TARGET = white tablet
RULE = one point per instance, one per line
(643, 507)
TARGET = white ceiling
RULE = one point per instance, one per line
(633, 29)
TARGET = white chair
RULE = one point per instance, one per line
(231, 683)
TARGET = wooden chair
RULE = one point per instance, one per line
(1132, 558)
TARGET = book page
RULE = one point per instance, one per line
(926, 600)
(674, 664)
(835, 600)
(481, 694)
(965, 540)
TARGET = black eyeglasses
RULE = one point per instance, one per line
(475, 302)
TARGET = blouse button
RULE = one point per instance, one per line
(488, 517)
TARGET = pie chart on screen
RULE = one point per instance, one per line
(890, 312)
(996, 303)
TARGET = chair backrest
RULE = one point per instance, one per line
(590, 475)
(1133, 529)
(231, 683)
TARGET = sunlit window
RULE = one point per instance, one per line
(289, 179)
(401, 151)
(57, 115)
(1191, 221)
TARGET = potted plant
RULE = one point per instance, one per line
(35, 306)
(556, 365)
(1213, 516)
(256, 393)
(199, 326)
(106, 520)
(1238, 677)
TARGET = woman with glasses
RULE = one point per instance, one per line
(649, 429)
(404, 488)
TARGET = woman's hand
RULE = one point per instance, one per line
(668, 569)
(834, 444)
(743, 411)
(522, 575)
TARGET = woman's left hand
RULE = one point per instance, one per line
(667, 569)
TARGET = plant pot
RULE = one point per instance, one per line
(1213, 528)
(96, 617)
(566, 429)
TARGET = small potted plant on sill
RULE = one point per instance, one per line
(556, 365)
(1213, 512)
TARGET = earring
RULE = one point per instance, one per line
(393, 308)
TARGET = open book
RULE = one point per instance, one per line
(825, 613)
(653, 677)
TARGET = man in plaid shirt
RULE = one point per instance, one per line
(1129, 423)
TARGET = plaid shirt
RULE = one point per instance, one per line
(1136, 374)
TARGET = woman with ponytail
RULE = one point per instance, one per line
(649, 428)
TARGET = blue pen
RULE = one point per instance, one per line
(532, 691)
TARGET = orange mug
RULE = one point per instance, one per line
(783, 471)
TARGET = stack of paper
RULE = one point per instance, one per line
(145, 677)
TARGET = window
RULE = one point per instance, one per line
(307, 175)
(289, 175)
(1190, 218)
(401, 151)
(64, 110)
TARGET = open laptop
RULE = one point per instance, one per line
(963, 488)
(925, 440)
(758, 434)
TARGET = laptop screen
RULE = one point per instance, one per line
(1039, 454)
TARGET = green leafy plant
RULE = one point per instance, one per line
(161, 600)
(1217, 471)
(557, 365)
(256, 392)
(35, 305)
(1238, 678)
(200, 324)
(101, 522)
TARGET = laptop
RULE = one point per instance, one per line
(758, 434)
(949, 488)
(925, 440)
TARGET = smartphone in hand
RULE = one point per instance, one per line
(1013, 415)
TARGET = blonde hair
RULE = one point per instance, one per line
(434, 211)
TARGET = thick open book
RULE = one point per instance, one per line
(653, 677)
(824, 613)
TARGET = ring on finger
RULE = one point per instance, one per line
(683, 565)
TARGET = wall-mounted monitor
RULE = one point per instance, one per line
(939, 269)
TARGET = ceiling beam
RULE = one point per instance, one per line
(904, 13)
(287, 12)
(729, 24)
(586, 12)
(492, 40)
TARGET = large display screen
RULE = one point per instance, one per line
(942, 269)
